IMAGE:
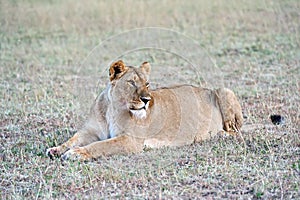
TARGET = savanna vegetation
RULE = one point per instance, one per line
(45, 71)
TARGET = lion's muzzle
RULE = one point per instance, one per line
(139, 108)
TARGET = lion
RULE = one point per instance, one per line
(128, 117)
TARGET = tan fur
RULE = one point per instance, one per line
(127, 116)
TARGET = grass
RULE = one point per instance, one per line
(255, 45)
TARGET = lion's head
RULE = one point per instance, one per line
(130, 88)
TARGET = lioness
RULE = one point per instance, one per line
(127, 116)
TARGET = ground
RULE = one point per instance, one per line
(256, 46)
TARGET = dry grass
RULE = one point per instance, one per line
(256, 45)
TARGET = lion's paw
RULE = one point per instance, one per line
(78, 153)
(54, 151)
(231, 110)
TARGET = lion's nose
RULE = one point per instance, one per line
(145, 99)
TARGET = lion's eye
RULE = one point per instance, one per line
(147, 84)
(131, 82)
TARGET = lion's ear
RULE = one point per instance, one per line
(116, 70)
(146, 67)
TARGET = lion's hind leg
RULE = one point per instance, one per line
(230, 109)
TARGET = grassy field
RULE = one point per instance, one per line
(46, 70)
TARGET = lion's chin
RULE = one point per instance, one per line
(139, 114)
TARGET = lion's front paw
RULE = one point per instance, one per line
(78, 153)
(54, 151)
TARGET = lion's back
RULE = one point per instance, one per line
(187, 113)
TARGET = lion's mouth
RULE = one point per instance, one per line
(142, 108)
(139, 106)
(139, 113)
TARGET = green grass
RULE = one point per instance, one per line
(255, 44)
